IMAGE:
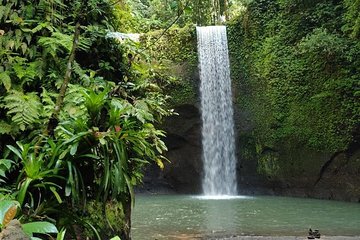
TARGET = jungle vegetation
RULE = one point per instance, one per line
(295, 64)
(80, 111)
(298, 65)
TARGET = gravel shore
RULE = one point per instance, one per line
(197, 237)
(286, 238)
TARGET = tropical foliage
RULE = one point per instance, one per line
(77, 116)
(159, 14)
(297, 65)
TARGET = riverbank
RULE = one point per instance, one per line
(197, 237)
(286, 238)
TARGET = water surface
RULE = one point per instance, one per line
(188, 217)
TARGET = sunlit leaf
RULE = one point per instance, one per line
(39, 227)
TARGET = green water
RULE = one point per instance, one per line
(170, 216)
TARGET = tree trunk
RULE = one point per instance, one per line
(54, 119)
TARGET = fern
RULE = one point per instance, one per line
(85, 43)
(74, 103)
(81, 73)
(141, 111)
(5, 128)
(48, 100)
(24, 109)
(6, 81)
(29, 71)
(57, 42)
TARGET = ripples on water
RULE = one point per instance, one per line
(188, 217)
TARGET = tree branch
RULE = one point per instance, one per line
(54, 119)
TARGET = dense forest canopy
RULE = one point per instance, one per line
(158, 14)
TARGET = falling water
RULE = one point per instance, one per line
(217, 112)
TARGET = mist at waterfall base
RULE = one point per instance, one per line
(219, 161)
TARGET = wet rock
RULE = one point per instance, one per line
(183, 173)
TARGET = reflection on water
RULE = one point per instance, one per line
(188, 217)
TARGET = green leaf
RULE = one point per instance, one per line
(39, 227)
(23, 190)
(6, 80)
(14, 150)
(56, 194)
(93, 156)
(102, 141)
(130, 189)
(61, 235)
(63, 154)
(73, 148)
(6, 163)
(115, 238)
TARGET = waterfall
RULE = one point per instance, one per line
(217, 112)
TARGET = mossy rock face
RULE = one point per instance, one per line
(268, 164)
(176, 52)
(341, 177)
(185, 90)
(290, 161)
(110, 222)
(293, 169)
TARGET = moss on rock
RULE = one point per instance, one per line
(109, 220)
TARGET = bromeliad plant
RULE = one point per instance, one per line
(98, 155)
(40, 169)
(113, 143)
(102, 106)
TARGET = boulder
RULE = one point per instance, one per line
(13, 231)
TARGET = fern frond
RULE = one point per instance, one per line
(74, 106)
(5, 128)
(57, 42)
(81, 73)
(48, 99)
(29, 71)
(85, 43)
(6, 80)
(24, 109)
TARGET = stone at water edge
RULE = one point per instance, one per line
(13, 231)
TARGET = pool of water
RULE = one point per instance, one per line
(189, 217)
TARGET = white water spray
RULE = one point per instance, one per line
(217, 112)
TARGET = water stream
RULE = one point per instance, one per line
(217, 112)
